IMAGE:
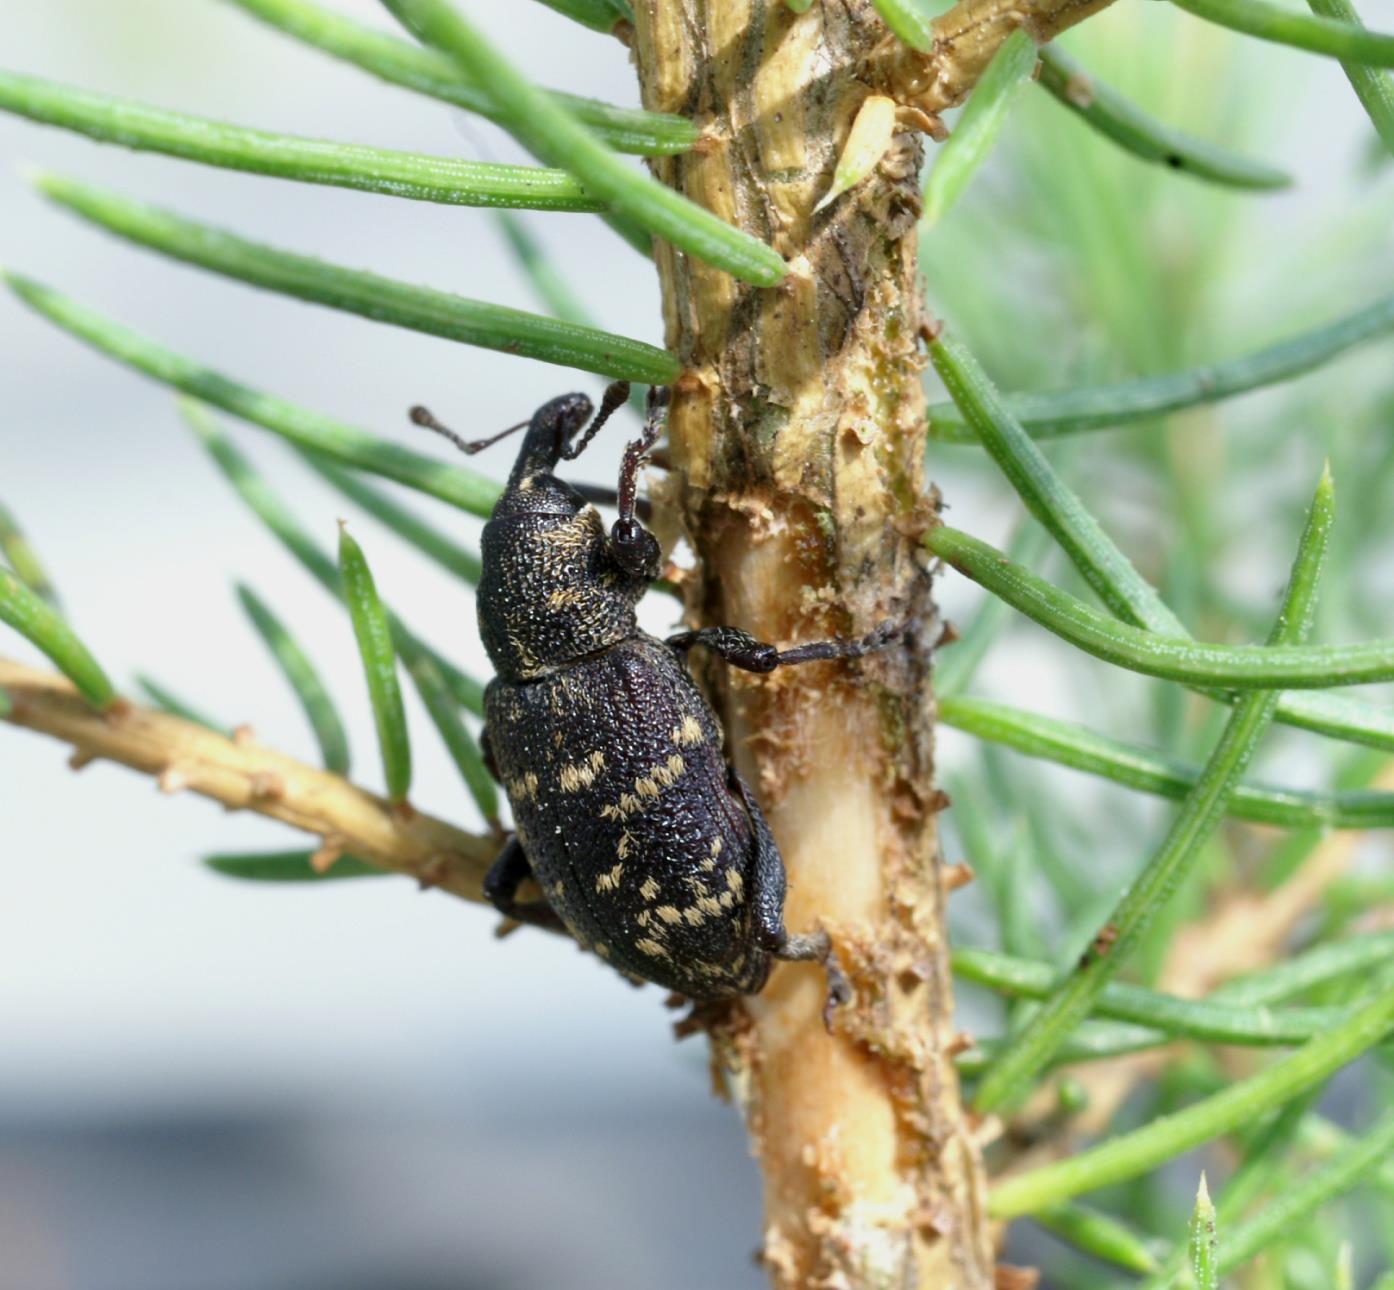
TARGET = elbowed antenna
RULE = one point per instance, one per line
(616, 393)
(634, 547)
(424, 417)
(615, 396)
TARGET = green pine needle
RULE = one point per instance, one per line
(907, 22)
(979, 126)
(1103, 565)
(1099, 1234)
(282, 522)
(1144, 136)
(406, 523)
(1373, 87)
(24, 560)
(36, 620)
(1208, 1020)
(423, 309)
(1168, 1136)
(166, 700)
(1300, 1200)
(1205, 1272)
(1071, 1001)
(426, 667)
(1103, 407)
(598, 15)
(348, 444)
(303, 678)
(374, 637)
(1150, 771)
(447, 180)
(426, 71)
(1355, 956)
(549, 286)
(1317, 35)
(288, 866)
(1173, 658)
(443, 707)
(551, 133)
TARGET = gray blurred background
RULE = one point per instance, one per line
(206, 1085)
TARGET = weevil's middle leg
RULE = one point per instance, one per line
(742, 650)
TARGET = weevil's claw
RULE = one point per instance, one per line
(839, 988)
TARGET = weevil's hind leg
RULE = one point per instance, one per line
(767, 909)
(501, 884)
(741, 649)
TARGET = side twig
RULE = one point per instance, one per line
(241, 775)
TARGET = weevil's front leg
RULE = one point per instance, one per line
(767, 909)
(501, 884)
(742, 650)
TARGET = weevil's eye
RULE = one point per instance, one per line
(636, 549)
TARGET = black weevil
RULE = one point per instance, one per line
(647, 844)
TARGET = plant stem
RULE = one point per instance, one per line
(241, 775)
(796, 434)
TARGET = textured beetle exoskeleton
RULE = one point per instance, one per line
(647, 845)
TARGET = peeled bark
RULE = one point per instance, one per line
(797, 443)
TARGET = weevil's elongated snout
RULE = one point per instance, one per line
(549, 433)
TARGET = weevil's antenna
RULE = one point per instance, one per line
(616, 394)
(635, 453)
(426, 419)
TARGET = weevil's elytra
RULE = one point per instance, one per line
(646, 843)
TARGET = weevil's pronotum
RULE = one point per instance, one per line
(646, 843)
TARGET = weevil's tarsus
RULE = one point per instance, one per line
(742, 650)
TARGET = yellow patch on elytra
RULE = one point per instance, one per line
(660, 777)
(727, 900)
(627, 805)
(695, 917)
(622, 849)
(611, 880)
(669, 913)
(689, 733)
(581, 774)
(647, 945)
(521, 790)
(602, 949)
(650, 888)
(709, 906)
(735, 882)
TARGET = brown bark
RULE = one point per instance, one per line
(797, 438)
(242, 775)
